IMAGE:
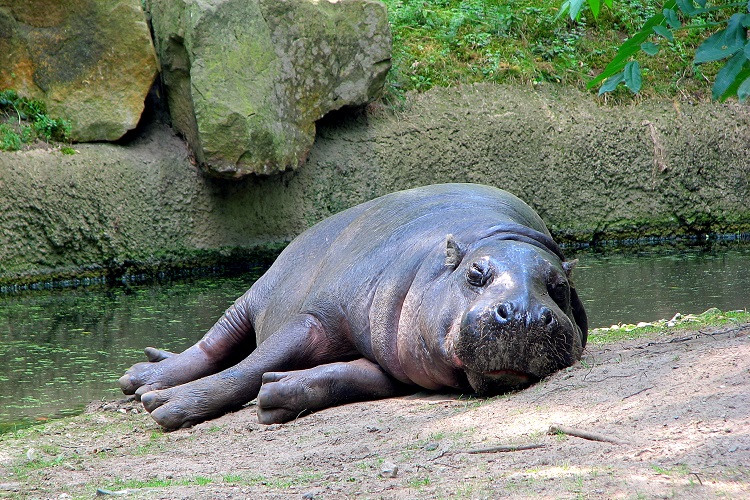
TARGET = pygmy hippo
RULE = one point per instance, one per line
(445, 287)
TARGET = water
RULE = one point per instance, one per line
(60, 350)
(656, 282)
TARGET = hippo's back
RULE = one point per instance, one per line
(342, 258)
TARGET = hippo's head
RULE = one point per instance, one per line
(523, 319)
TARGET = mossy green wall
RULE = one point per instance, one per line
(591, 171)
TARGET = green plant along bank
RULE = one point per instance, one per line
(23, 121)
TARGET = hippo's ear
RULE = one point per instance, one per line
(453, 252)
(568, 266)
(579, 314)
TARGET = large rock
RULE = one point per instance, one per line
(91, 61)
(247, 79)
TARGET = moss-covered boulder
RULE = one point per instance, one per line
(91, 61)
(247, 79)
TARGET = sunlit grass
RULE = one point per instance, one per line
(452, 42)
(710, 318)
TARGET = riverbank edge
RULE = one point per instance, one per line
(593, 172)
(27, 456)
(691, 324)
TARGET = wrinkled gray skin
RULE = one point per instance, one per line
(452, 286)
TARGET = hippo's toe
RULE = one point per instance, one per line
(126, 384)
(151, 400)
(170, 414)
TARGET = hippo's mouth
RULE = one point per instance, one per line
(494, 382)
(511, 374)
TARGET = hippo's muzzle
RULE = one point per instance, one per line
(509, 344)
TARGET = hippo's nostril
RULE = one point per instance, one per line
(503, 312)
(546, 317)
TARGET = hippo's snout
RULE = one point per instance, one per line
(509, 312)
(509, 344)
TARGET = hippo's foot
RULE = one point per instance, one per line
(164, 369)
(184, 405)
(285, 396)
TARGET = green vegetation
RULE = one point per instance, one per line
(418, 482)
(23, 121)
(722, 25)
(712, 317)
(677, 470)
(451, 42)
(121, 484)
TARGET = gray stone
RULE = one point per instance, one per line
(91, 61)
(247, 79)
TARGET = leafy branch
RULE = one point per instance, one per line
(729, 44)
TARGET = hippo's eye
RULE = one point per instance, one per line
(478, 274)
(560, 293)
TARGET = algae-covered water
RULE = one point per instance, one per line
(61, 349)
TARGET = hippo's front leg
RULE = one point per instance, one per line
(230, 339)
(301, 343)
(285, 396)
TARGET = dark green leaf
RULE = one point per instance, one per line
(746, 20)
(747, 50)
(702, 3)
(632, 75)
(727, 75)
(736, 30)
(663, 31)
(724, 43)
(671, 16)
(650, 48)
(734, 87)
(743, 91)
(630, 47)
(712, 49)
(686, 6)
(612, 83)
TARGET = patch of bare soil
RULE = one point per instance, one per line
(678, 405)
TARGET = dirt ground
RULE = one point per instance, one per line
(677, 405)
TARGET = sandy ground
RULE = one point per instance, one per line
(677, 407)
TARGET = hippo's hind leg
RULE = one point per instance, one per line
(229, 340)
(300, 343)
(285, 396)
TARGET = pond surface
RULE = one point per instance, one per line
(628, 286)
(60, 350)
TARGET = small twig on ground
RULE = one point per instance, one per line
(637, 392)
(544, 395)
(591, 436)
(723, 332)
(501, 448)
(611, 376)
(673, 341)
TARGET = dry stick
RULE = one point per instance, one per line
(638, 392)
(591, 436)
(501, 448)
